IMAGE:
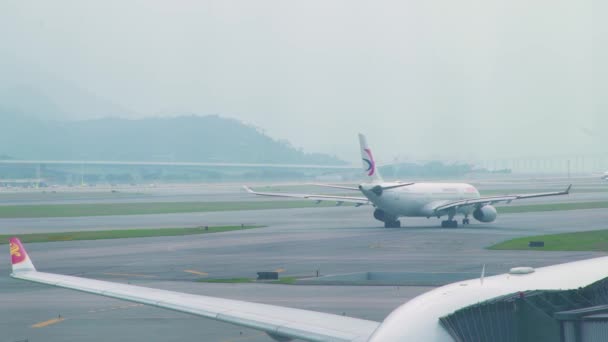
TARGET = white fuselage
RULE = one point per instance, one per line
(419, 199)
(418, 319)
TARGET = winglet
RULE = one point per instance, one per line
(248, 189)
(20, 260)
(568, 189)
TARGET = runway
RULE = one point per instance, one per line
(297, 241)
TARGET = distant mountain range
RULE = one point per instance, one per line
(180, 139)
(37, 112)
(27, 88)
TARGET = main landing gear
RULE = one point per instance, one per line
(392, 224)
(450, 222)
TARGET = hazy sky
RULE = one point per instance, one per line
(451, 79)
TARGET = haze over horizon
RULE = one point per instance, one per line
(447, 80)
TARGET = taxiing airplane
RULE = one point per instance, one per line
(416, 320)
(393, 200)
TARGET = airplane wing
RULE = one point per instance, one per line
(281, 323)
(358, 201)
(481, 201)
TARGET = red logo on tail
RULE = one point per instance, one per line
(371, 164)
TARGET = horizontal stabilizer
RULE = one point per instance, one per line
(380, 188)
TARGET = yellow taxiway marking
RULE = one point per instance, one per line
(197, 272)
(47, 323)
(130, 275)
(280, 270)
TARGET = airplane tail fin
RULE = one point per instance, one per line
(19, 259)
(369, 164)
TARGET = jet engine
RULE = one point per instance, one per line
(487, 213)
(389, 220)
(379, 215)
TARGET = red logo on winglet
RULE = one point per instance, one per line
(17, 251)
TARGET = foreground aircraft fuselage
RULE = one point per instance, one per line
(393, 200)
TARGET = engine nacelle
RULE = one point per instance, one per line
(379, 215)
(487, 213)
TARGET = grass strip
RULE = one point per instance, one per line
(112, 209)
(228, 280)
(119, 234)
(574, 190)
(512, 209)
(596, 240)
(283, 280)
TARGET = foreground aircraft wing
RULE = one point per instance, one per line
(481, 201)
(358, 201)
(281, 323)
